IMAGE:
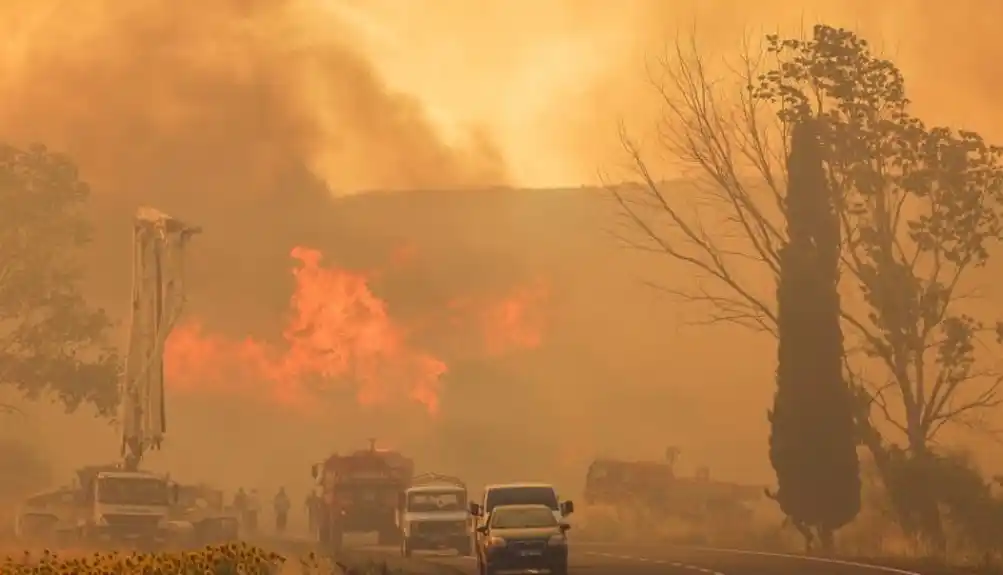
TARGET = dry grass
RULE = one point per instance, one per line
(760, 530)
(871, 538)
(870, 535)
(230, 559)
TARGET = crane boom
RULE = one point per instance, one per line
(158, 295)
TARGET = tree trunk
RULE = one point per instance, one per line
(827, 540)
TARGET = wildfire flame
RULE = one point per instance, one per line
(510, 323)
(339, 333)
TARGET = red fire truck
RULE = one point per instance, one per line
(361, 493)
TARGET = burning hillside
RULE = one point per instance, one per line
(340, 334)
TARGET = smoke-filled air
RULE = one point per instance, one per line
(404, 231)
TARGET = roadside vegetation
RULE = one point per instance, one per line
(805, 166)
(807, 169)
(230, 559)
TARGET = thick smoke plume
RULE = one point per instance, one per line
(247, 116)
(132, 89)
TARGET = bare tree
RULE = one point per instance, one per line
(919, 206)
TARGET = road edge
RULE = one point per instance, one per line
(390, 558)
(751, 552)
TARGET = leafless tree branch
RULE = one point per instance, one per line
(733, 213)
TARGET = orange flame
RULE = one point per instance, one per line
(514, 322)
(340, 335)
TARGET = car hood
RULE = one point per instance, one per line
(534, 533)
(436, 515)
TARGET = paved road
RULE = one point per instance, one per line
(594, 559)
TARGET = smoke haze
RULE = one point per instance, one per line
(262, 119)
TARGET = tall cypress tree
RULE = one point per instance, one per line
(812, 440)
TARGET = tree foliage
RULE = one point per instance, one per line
(813, 446)
(919, 210)
(51, 342)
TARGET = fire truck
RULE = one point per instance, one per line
(654, 486)
(361, 493)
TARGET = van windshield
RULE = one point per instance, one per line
(529, 495)
(425, 501)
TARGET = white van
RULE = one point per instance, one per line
(519, 494)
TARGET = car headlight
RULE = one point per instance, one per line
(557, 541)
(495, 542)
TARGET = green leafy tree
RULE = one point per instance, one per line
(918, 207)
(813, 444)
(52, 344)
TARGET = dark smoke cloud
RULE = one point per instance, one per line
(240, 115)
(217, 98)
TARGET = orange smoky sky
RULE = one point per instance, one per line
(380, 93)
(248, 116)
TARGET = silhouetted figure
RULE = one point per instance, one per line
(313, 511)
(240, 502)
(253, 509)
(282, 506)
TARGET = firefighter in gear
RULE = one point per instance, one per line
(282, 506)
(253, 509)
(314, 507)
(240, 506)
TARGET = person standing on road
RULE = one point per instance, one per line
(282, 506)
(253, 507)
(240, 506)
(313, 511)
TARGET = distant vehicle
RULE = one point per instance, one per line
(520, 494)
(616, 482)
(361, 492)
(45, 517)
(118, 506)
(201, 509)
(433, 515)
(654, 486)
(522, 537)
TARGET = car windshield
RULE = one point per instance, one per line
(427, 501)
(132, 491)
(522, 518)
(528, 495)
